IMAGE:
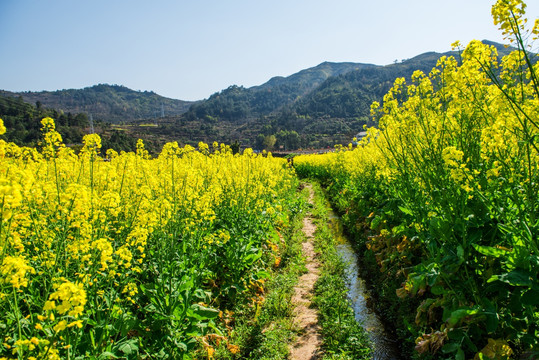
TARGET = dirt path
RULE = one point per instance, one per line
(308, 344)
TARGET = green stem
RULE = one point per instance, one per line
(17, 315)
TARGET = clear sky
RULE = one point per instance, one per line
(190, 49)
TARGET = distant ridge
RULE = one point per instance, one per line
(314, 75)
(315, 107)
(320, 90)
(237, 102)
(110, 103)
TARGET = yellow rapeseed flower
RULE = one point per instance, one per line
(2, 127)
(72, 297)
(14, 270)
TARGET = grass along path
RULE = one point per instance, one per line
(343, 337)
(322, 293)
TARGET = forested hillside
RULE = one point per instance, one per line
(237, 102)
(24, 128)
(318, 107)
(23, 122)
(109, 103)
(315, 108)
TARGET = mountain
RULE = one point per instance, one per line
(237, 102)
(337, 109)
(23, 126)
(349, 95)
(109, 103)
(316, 107)
(322, 105)
(311, 77)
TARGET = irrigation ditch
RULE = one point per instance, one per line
(385, 347)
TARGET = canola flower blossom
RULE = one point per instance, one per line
(446, 188)
(15, 270)
(92, 250)
(71, 298)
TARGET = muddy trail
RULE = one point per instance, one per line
(307, 346)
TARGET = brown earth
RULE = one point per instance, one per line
(307, 346)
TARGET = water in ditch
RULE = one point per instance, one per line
(384, 347)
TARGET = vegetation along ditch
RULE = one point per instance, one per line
(441, 200)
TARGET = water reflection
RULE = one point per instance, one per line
(384, 347)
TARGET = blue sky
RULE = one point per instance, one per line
(190, 49)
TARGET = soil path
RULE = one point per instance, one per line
(307, 346)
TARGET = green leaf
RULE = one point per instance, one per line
(204, 313)
(375, 222)
(128, 348)
(200, 294)
(514, 278)
(457, 335)
(457, 315)
(262, 274)
(450, 347)
(492, 322)
(460, 252)
(397, 230)
(490, 251)
(251, 258)
(274, 236)
(406, 211)
(530, 297)
(437, 290)
(460, 355)
(107, 355)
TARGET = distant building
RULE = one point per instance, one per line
(359, 136)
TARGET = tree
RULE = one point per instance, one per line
(269, 142)
(290, 140)
(259, 141)
(235, 147)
